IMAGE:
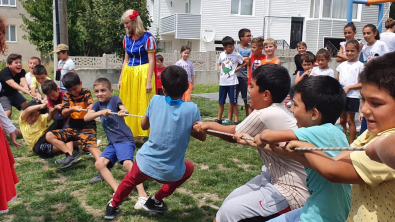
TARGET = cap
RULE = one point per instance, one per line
(61, 47)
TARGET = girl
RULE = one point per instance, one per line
(389, 36)
(349, 32)
(323, 58)
(374, 47)
(135, 83)
(187, 65)
(349, 78)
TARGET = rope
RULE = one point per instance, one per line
(331, 148)
(117, 114)
(228, 134)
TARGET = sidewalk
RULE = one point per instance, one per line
(214, 96)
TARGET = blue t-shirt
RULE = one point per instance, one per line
(328, 201)
(162, 156)
(115, 127)
(245, 52)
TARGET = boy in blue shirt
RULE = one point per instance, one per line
(121, 144)
(162, 156)
(318, 103)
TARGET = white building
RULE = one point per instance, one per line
(181, 22)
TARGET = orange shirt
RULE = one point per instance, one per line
(273, 61)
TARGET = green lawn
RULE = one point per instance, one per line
(46, 193)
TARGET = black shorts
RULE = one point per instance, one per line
(42, 147)
(352, 105)
(242, 87)
(15, 100)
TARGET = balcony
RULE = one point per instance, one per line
(183, 26)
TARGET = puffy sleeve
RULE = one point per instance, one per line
(6, 122)
(150, 45)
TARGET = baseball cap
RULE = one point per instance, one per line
(61, 47)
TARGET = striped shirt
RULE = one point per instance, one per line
(287, 176)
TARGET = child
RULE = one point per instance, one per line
(33, 61)
(159, 68)
(187, 65)
(349, 78)
(244, 49)
(121, 142)
(374, 47)
(282, 184)
(75, 99)
(162, 156)
(349, 32)
(307, 61)
(33, 123)
(389, 36)
(323, 58)
(10, 78)
(270, 47)
(227, 64)
(373, 186)
(318, 103)
(40, 75)
(65, 64)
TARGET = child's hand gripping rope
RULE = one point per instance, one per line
(120, 113)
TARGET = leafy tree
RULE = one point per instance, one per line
(392, 11)
(94, 26)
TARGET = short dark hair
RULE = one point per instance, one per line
(174, 80)
(33, 103)
(13, 57)
(34, 57)
(227, 40)
(39, 70)
(159, 57)
(242, 32)
(102, 81)
(70, 80)
(48, 86)
(307, 57)
(273, 78)
(323, 93)
(323, 52)
(185, 47)
(374, 29)
(381, 72)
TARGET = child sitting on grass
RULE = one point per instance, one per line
(282, 184)
(318, 103)
(40, 75)
(121, 142)
(373, 189)
(162, 156)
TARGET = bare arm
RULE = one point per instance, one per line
(16, 86)
(24, 83)
(145, 123)
(382, 150)
(151, 61)
(273, 136)
(31, 109)
(91, 115)
(340, 57)
(197, 133)
(300, 77)
(203, 127)
(193, 82)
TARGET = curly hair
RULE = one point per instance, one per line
(3, 46)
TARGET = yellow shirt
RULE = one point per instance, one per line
(375, 199)
(31, 133)
(36, 84)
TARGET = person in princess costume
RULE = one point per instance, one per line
(135, 83)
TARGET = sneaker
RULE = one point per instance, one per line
(69, 160)
(59, 161)
(140, 202)
(227, 121)
(75, 154)
(98, 178)
(218, 121)
(152, 206)
(111, 212)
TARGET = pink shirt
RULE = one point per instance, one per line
(52, 103)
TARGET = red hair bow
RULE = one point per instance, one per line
(133, 16)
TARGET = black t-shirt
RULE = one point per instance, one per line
(6, 75)
(298, 62)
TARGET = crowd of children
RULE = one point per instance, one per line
(293, 185)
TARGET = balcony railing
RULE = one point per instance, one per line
(184, 26)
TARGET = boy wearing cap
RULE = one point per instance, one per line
(65, 64)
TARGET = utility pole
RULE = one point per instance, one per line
(63, 33)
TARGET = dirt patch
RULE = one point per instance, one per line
(221, 167)
(208, 119)
(81, 196)
(61, 207)
(9, 217)
(235, 160)
(201, 197)
(37, 218)
(202, 166)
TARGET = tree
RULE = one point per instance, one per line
(94, 26)
(392, 11)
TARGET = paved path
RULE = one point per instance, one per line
(214, 96)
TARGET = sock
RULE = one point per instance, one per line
(156, 201)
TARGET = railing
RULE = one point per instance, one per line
(184, 26)
(104, 62)
(331, 48)
(282, 44)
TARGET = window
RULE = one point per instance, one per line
(8, 3)
(336, 9)
(242, 7)
(10, 35)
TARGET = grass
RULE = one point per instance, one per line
(211, 88)
(46, 193)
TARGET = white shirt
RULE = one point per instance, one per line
(349, 75)
(316, 71)
(389, 39)
(228, 64)
(379, 48)
(28, 77)
(65, 67)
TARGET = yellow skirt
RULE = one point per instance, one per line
(134, 95)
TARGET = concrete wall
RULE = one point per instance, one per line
(88, 76)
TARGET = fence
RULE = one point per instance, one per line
(202, 61)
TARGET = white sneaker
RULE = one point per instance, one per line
(140, 202)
